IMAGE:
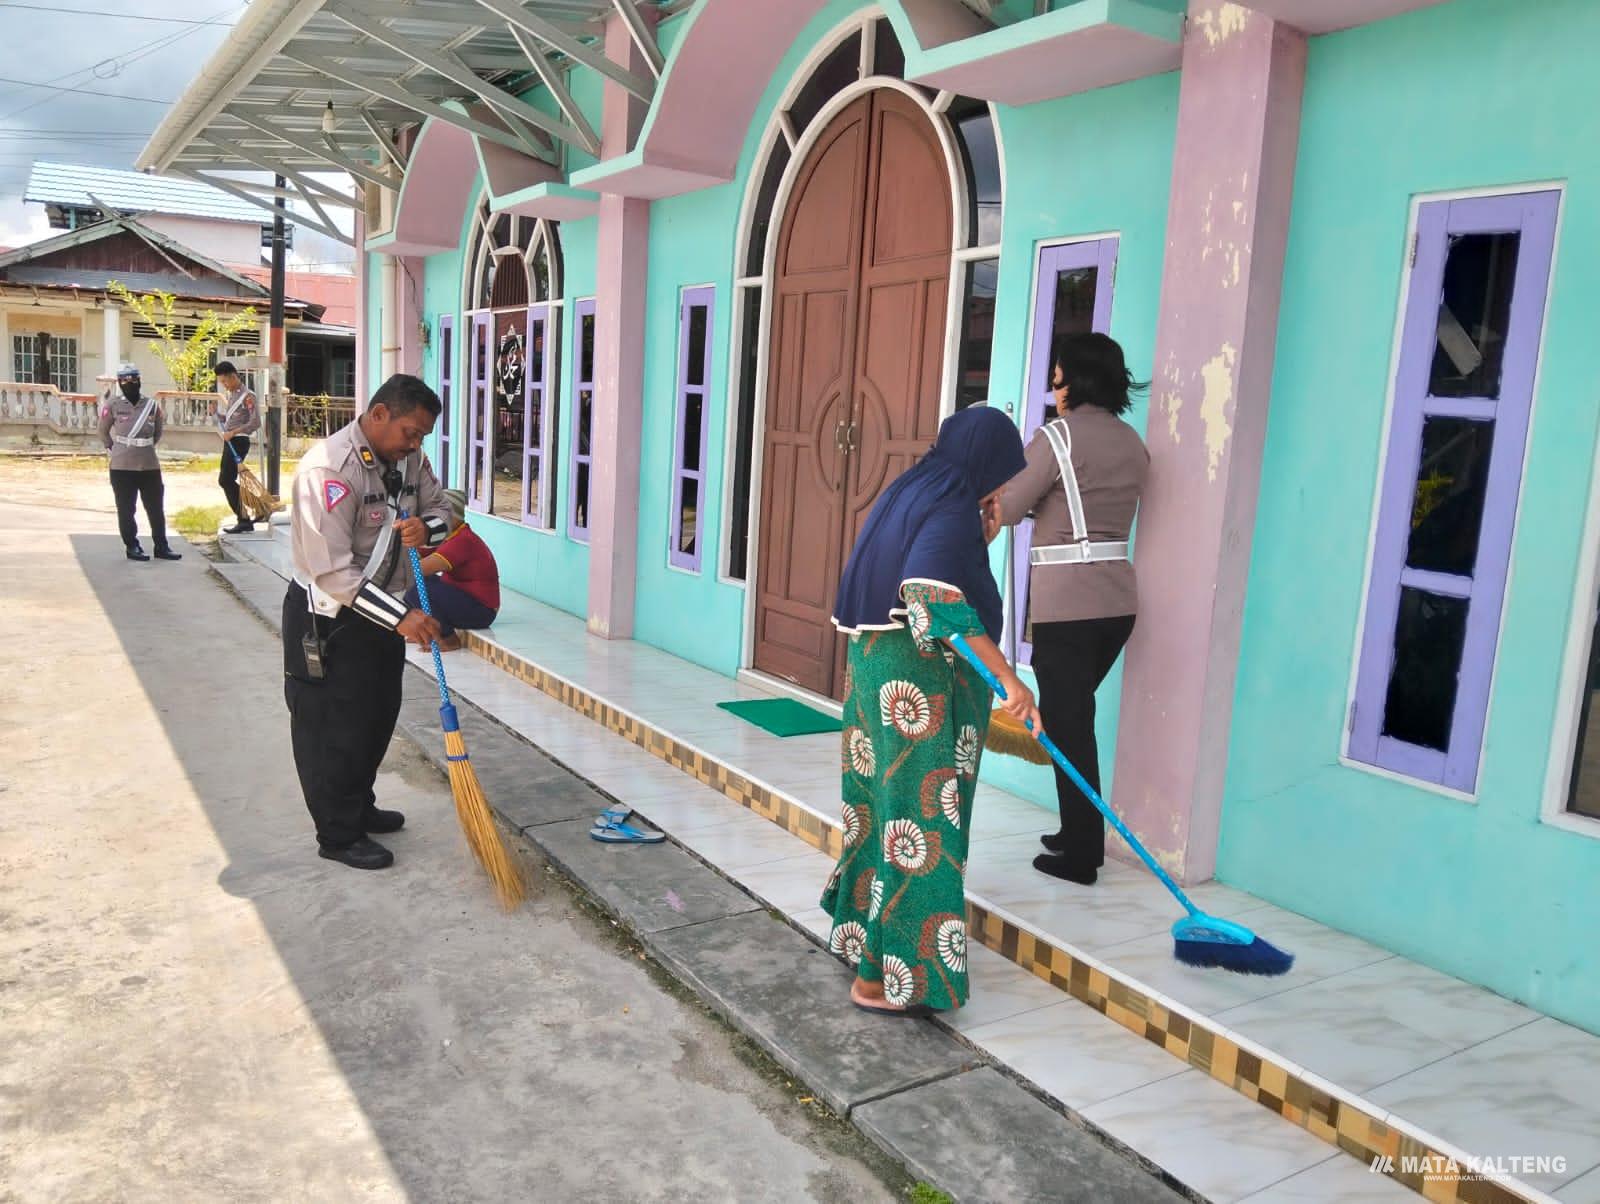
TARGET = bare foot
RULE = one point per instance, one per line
(869, 995)
(450, 643)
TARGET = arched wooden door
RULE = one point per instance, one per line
(856, 363)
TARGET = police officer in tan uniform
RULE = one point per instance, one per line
(361, 498)
(131, 425)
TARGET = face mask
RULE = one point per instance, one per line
(130, 389)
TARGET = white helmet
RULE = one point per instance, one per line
(127, 369)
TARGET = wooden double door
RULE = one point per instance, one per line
(856, 364)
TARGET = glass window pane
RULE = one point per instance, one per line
(1584, 795)
(888, 58)
(1474, 315)
(697, 345)
(446, 356)
(739, 517)
(539, 270)
(761, 226)
(1447, 510)
(536, 353)
(981, 160)
(688, 514)
(1429, 636)
(586, 347)
(692, 404)
(509, 414)
(839, 70)
(502, 230)
(585, 406)
(1074, 301)
(977, 332)
(580, 501)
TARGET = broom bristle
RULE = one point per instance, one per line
(477, 823)
(1009, 738)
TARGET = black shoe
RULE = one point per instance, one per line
(243, 527)
(166, 553)
(137, 553)
(364, 854)
(380, 821)
(1057, 866)
(1055, 842)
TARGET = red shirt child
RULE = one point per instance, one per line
(470, 566)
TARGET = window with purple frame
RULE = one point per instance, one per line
(480, 407)
(689, 440)
(1463, 394)
(447, 371)
(539, 424)
(583, 419)
(1073, 296)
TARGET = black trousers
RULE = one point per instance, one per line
(455, 609)
(228, 474)
(340, 726)
(129, 485)
(1071, 660)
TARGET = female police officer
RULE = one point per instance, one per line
(361, 498)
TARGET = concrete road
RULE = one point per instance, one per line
(193, 1006)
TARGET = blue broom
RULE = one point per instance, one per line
(1198, 939)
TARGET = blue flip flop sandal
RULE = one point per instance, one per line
(621, 833)
(614, 814)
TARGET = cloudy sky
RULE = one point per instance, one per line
(88, 81)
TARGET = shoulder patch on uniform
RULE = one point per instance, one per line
(334, 492)
(367, 457)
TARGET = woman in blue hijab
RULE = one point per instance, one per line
(916, 716)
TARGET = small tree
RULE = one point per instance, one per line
(189, 358)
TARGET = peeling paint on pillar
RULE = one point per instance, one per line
(1233, 171)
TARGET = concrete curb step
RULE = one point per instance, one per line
(925, 1098)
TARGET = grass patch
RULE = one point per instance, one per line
(926, 1193)
(202, 521)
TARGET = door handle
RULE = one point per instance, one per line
(851, 443)
(841, 431)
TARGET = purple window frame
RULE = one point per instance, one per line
(447, 380)
(1098, 253)
(701, 297)
(536, 442)
(583, 309)
(1533, 216)
(480, 433)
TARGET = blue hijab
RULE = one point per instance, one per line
(927, 524)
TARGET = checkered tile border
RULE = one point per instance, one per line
(1358, 1133)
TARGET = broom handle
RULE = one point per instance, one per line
(427, 609)
(960, 644)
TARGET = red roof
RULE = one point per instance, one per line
(337, 294)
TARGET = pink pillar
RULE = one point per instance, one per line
(622, 260)
(1227, 228)
(362, 333)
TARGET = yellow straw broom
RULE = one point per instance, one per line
(472, 808)
(1009, 738)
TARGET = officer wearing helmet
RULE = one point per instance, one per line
(130, 426)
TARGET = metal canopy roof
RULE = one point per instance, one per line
(261, 102)
(77, 187)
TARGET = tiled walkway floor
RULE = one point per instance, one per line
(1463, 1065)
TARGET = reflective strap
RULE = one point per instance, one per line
(138, 424)
(1079, 553)
(124, 441)
(1060, 436)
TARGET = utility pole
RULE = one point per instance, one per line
(275, 348)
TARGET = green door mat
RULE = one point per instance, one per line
(783, 716)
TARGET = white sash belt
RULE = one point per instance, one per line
(1082, 550)
(124, 441)
(1078, 553)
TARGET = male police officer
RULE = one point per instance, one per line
(130, 427)
(361, 498)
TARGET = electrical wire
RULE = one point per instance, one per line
(121, 62)
(97, 12)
